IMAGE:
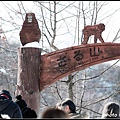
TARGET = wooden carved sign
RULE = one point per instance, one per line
(30, 30)
(59, 64)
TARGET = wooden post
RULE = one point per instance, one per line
(28, 76)
(29, 60)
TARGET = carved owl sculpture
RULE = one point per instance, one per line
(30, 31)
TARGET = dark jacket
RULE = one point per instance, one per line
(28, 113)
(10, 108)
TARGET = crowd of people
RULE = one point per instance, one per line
(110, 110)
(65, 109)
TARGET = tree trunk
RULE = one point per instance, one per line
(70, 86)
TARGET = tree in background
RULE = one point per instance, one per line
(61, 24)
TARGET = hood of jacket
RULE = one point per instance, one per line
(4, 103)
(111, 110)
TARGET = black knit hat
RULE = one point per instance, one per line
(71, 105)
(6, 94)
(20, 102)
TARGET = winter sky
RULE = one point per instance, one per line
(30, 7)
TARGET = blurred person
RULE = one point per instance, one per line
(26, 111)
(21, 103)
(54, 113)
(111, 110)
(8, 108)
(70, 108)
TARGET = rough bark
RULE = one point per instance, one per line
(28, 76)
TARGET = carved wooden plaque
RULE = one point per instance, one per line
(59, 64)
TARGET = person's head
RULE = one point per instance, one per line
(20, 102)
(54, 113)
(5, 94)
(68, 106)
(111, 110)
